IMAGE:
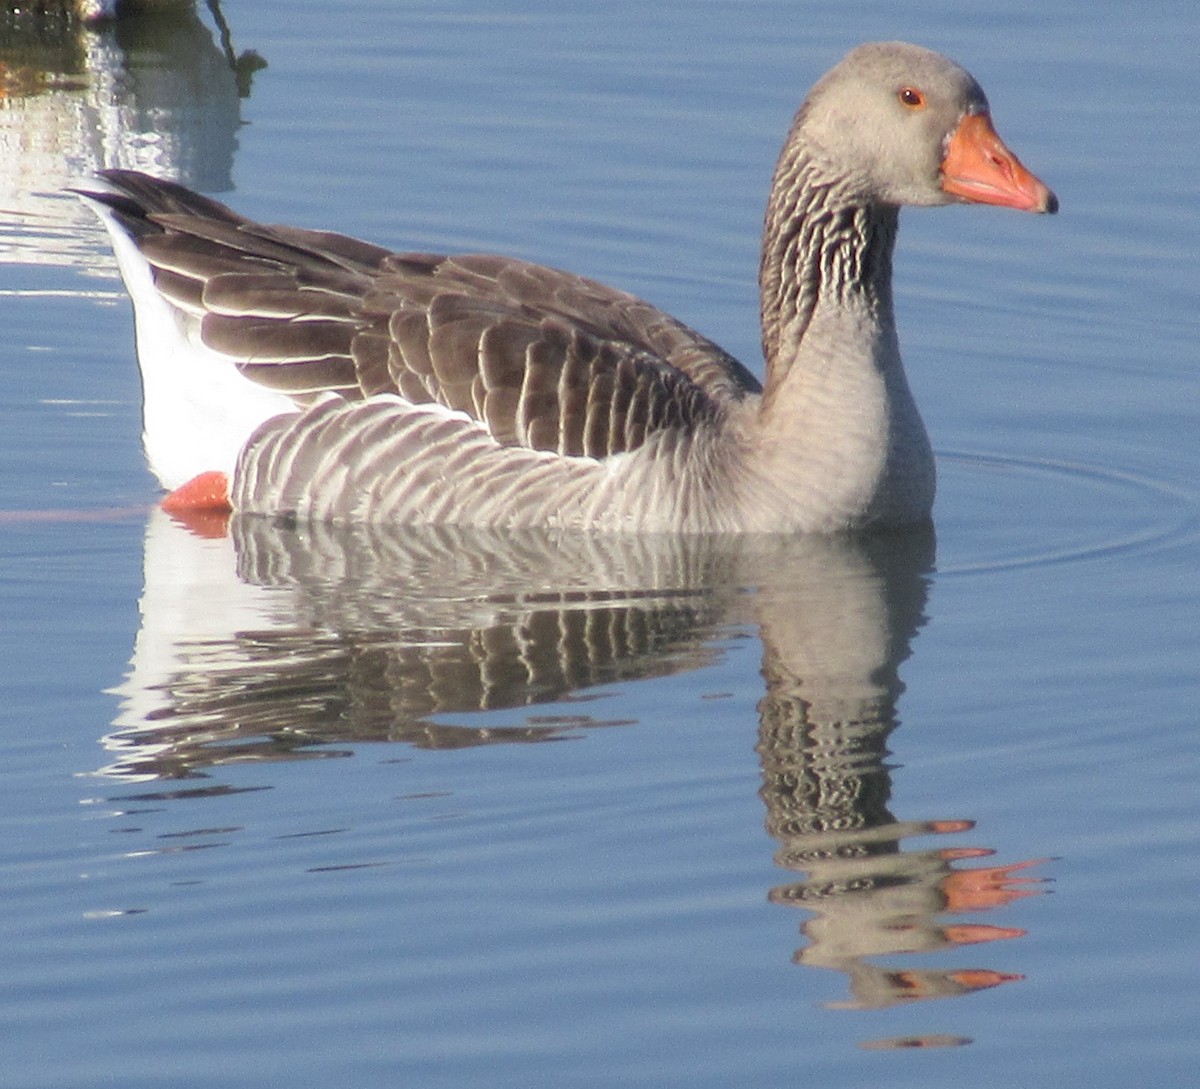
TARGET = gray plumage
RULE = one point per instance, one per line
(490, 391)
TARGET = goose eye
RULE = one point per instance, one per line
(911, 97)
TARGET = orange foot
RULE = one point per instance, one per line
(202, 504)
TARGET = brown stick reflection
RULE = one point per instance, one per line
(283, 643)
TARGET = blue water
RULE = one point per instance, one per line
(314, 808)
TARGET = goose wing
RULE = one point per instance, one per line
(542, 358)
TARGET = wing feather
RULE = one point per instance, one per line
(542, 358)
(371, 351)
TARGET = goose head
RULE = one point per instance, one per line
(896, 124)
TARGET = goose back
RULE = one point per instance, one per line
(541, 358)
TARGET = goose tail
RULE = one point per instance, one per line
(198, 410)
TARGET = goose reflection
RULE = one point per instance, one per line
(265, 641)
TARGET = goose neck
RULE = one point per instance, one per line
(826, 272)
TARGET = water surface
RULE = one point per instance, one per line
(310, 807)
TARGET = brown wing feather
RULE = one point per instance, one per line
(544, 359)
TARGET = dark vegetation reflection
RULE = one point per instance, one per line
(158, 90)
(263, 641)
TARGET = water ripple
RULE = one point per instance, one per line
(1035, 512)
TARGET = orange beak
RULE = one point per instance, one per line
(978, 168)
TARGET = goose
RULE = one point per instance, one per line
(304, 374)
